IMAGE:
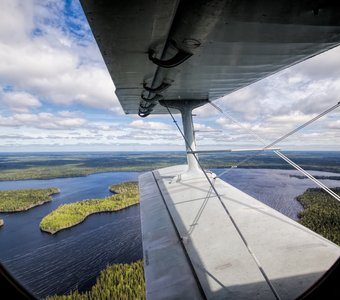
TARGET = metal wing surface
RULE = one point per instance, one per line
(198, 244)
(232, 43)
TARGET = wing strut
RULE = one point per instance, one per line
(188, 108)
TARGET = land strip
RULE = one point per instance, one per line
(24, 199)
(71, 214)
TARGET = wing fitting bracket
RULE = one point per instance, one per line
(180, 57)
(163, 86)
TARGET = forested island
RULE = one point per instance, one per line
(317, 177)
(118, 281)
(24, 199)
(71, 214)
(321, 213)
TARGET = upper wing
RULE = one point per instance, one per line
(229, 44)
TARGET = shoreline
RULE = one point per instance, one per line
(52, 232)
(148, 170)
(71, 214)
(18, 210)
(321, 213)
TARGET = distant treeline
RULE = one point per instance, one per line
(119, 281)
(317, 177)
(53, 165)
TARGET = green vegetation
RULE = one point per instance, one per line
(130, 188)
(19, 200)
(47, 166)
(321, 213)
(119, 281)
(317, 177)
(71, 214)
(2, 222)
(53, 165)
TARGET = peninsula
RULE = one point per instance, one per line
(21, 200)
(69, 215)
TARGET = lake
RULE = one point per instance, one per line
(49, 264)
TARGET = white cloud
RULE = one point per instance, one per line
(42, 120)
(291, 119)
(16, 20)
(19, 101)
(47, 66)
(323, 66)
(146, 125)
(202, 127)
(51, 65)
(334, 125)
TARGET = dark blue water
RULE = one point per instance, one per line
(49, 264)
(276, 188)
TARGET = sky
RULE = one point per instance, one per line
(57, 95)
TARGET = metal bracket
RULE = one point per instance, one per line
(143, 115)
(150, 106)
(176, 60)
(163, 86)
(153, 99)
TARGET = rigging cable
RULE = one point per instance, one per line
(311, 177)
(226, 210)
(278, 153)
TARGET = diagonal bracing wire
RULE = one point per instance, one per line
(277, 296)
(245, 128)
(281, 155)
(311, 177)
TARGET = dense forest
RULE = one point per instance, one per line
(20, 166)
(68, 215)
(321, 213)
(119, 281)
(19, 200)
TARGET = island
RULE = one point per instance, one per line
(316, 177)
(118, 281)
(321, 213)
(2, 222)
(24, 199)
(71, 214)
